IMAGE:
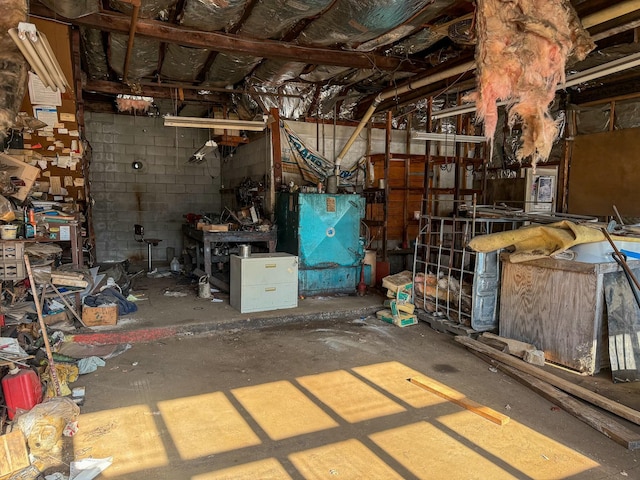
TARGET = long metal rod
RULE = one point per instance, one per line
(620, 257)
(43, 328)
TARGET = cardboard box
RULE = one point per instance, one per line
(14, 456)
(23, 171)
(57, 317)
(399, 281)
(400, 320)
(103, 315)
(216, 228)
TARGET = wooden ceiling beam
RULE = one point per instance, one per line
(114, 88)
(222, 42)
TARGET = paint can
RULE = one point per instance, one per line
(244, 251)
(204, 290)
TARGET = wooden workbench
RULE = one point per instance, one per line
(207, 239)
(558, 306)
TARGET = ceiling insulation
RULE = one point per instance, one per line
(331, 55)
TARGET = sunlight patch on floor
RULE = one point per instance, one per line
(128, 434)
(282, 410)
(349, 397)
(530, 452)
(348, 459)
(429, 453)
(392, 377)
(206, 424)
(269, 468)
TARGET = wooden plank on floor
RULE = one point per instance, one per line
(609, 427)
(565, 385)
(459, 399)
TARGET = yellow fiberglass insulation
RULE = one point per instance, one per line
(523, 46)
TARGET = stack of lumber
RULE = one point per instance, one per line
(400, 309)
(563, 393)
(68, 279)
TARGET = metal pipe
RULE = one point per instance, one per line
(132, 32)
(609, 13)
(459, 70)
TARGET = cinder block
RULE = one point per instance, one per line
(164, 141)
(157, 188)
(136, 150)
(123, 139)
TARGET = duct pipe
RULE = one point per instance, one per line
(610, 13)
(437, 77)
(132, 33)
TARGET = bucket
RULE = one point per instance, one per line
(204, 290)
(244, 251)
(8, 232)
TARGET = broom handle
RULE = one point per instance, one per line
(43, 327)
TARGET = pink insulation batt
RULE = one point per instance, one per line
(523, 46)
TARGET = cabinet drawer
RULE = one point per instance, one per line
(257, 298)
(268, 270)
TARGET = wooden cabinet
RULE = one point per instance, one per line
(264, 281)
(558, 306)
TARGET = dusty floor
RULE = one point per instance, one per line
(328, 399)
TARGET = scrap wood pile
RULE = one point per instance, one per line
(563, 393)
(399, 304)
(435, 293)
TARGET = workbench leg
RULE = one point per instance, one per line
(272, 246)
(207, 257)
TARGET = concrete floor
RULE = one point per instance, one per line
(320, 392)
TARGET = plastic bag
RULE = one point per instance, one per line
(44, 423)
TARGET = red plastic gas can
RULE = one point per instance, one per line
(22, 389)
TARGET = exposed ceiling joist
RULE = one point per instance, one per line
(103, 86)
(222, 42)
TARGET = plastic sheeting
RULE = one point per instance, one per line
(426, 16)
(144, 58)
(352, 22)
(212, 15)
(417, 42)
(273, 18)
(274, 72)
(94, 53)
(183, 63)
(229, 69)
(148, 8)
(72, 8)
(595, 119)
(268, 19)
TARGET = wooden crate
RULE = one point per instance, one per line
(96, 316)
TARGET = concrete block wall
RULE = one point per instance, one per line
(251, 160)
(158, 195)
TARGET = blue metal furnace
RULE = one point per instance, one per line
(323, 230)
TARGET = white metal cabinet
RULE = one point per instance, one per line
(264, 281)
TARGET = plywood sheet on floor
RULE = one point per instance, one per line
(282, 410)
(268, 469)
(348, 459)
(206, 424)
(393, 377)
(349, 397)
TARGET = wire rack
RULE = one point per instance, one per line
(452, 280)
